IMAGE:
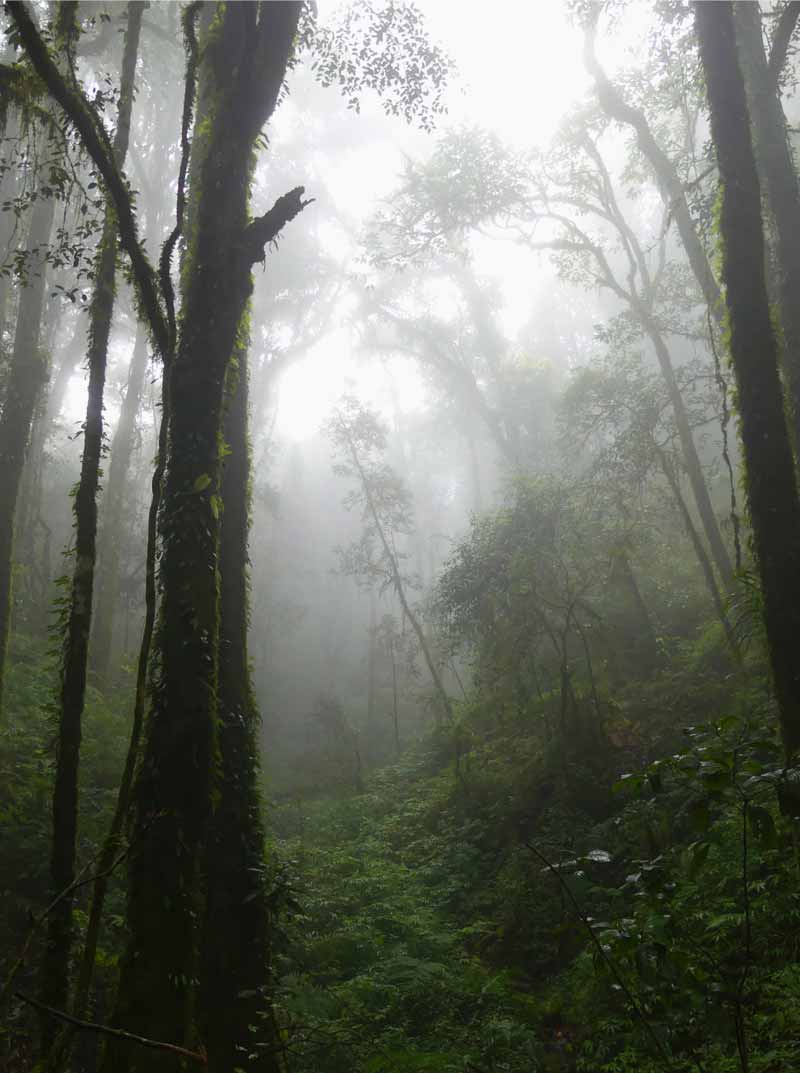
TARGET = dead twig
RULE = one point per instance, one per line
(118, 1033)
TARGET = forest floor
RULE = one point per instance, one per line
(518, 912)
(494, 902)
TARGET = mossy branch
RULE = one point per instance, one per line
(787, 21)
(95, 140)
(265, 229)
(190, 16)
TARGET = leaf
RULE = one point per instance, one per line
(602, 856)
(698, 855)
(630, 781)
(201, 483)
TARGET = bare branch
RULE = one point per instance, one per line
(118, 1033)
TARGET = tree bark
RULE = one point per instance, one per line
(769, 468)
(244, 62)
(27, 377)
(237, 918)
(778, 179)
(8, 221)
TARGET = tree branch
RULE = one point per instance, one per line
(265, 229)
(95, 141)
(40, 919)
(671, 188)
(118, 1033)
(787, 21)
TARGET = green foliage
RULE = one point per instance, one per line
(27, 742)
(378, 978)
(385, 49)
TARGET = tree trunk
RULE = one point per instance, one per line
(643, 644)
(27, 377)
(700, 552)
(113, 511)
(691, 459)
(8, 221)
(769, 467)
(244, 63)
(778, 179)
(474, 470)
(395, 719)
(237, 919)
(55, 964)
(399, 588)
(371, 677)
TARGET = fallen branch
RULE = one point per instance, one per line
(40, 919)
(118, 1033)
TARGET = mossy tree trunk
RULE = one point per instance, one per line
(769, 469)
(55, 965)
(246, 52)
(113, 511)
(27, 378)
(236, 935)
(8, 221)
(778, 180)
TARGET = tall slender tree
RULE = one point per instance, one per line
(27, 377)
(55, 965)
(769, 474)
(778, 180)
(360, 438)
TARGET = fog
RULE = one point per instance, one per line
(380, 480)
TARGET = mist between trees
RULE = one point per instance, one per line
(399, 537)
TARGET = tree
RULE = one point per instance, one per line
(575, 182)
(769, 474)
(523, 593)
(360, 440)
(671, 186)
(244, 62)
(74, 660)
(778, 180)
(626, 410)
(26, 380)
